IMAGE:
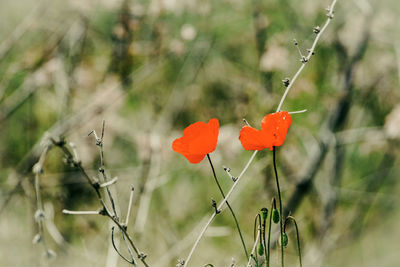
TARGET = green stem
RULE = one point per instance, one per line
(263, 239)
(269, 231)
(297, 234)
(280, 204)
(229, 206)
(255, 228)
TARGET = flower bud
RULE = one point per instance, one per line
(260, 249)
(264, 214)
(285, 239)
(275, 216)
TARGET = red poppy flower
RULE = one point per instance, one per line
(198, 140)
(273, 132)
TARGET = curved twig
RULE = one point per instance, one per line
(297, 234)
(116, 249)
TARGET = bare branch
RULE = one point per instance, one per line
(90, 212)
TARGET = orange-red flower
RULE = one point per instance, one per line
(198, 140)
(273, 132)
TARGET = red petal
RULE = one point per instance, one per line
(251, 139)
(275, 127)
(205, 140)
(213, 126)
(194, 158)
(198, 140)
(193, 130)
(179, 146)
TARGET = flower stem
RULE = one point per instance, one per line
(269, 231)
(263, 238)
(280, 203)
(297, 235)
(229, 206)
(257, 237)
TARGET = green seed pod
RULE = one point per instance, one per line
(275, 216)
(264, 214)
(260, 249)
(285, 239)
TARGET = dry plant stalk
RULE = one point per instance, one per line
(71, 157)
(40, 214)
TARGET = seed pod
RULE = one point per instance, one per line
(260, 249)
(286, 82)
(316, 29)
(285, 239)
(275, 216)
(264, 214)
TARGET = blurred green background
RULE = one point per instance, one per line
(149, 69)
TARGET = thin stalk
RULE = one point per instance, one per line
(105, 211)
(116, 249)
(280, 204)
(310, 53)
(257, 238)
(129, 206)
(297, 235)
(263, 238)
(72, 212)
(229, 206)
(39, 214)
(100, 144)
(253, 250)
(269, 231)
(220, 206)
